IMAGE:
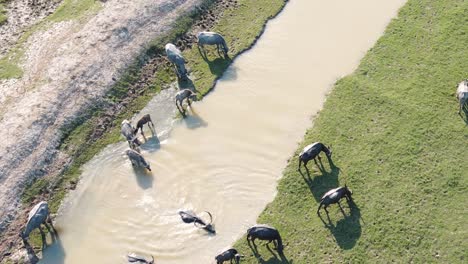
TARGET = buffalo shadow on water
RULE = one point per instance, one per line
(54, 253)
(347, 230)
(143, 177)
(194, 120)
(322, 182)
(151, 144)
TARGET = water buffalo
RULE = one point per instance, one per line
(185, 94)
(128, 132)
(265, 232)
(134, 258)
(38, 215)
(462, 94)
(137, 159)
(191, 217)
(212, 38)
(146, 119)
(175, 57)
(228, 255)
(334, 196)
(312, 151)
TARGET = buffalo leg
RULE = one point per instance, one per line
(341, 208)
(325, 207)
(153, 130)
(44, 242)
(182, 111)
(51, 232)
(299, 167)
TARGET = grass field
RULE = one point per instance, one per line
(398, 144)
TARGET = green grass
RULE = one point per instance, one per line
(3, 15)
(74, 9)
(76, 137)
(398, 144)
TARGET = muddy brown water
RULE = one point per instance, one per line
(227, 156)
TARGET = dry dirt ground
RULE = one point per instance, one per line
(22, 14)
(66, 68)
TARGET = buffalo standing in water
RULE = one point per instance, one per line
(146, 119)
(175, 57)
(228, 255)
(190, 217)
(265, 232)
(127, 131)
(212, 38)
(137, 159)
(38, 215)
(185, 94)
(312, 151)
(134, 258)
(334, 196)
(462, 94)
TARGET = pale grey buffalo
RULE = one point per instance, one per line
(185, 94)
(138, 259)
(39, 215)
(462, 94)
(127, 131)
(175, 57)
(212, 38)
(137, 159)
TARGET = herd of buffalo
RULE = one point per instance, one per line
(39, 214)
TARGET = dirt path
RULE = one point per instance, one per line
(66, 68)
(22, 14)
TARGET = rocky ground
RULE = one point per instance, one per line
(66, 69)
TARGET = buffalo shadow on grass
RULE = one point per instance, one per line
(322, 182)
(218, 67)
(346, 231)
(186, 84)
(273, 259)
(464, 113)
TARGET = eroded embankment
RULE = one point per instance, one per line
(139, 82)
